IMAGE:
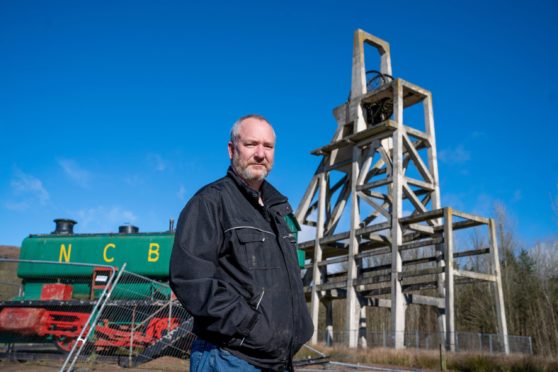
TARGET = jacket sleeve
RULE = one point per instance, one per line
(194, 269)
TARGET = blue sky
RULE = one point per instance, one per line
(118, 111)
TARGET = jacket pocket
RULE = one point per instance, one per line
(264, 339)
(258, 249)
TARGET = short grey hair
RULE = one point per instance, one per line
(235, 130)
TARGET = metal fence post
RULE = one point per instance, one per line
(132, 335)
(107, 291)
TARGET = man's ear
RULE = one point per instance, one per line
(231, 149)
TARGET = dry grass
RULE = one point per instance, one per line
(381, 356)
(511, 363)
(430, 360)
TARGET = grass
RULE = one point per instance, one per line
(430, 360)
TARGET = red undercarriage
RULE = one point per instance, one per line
(64, 327)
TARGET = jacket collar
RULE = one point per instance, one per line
(268, 193)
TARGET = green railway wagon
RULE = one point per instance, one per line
(145, 254)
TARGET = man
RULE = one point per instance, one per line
(234, 264)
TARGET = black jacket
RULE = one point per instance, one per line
(234, 268)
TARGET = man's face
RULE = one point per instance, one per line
(252, 155)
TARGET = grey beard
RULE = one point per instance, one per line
(245, 173)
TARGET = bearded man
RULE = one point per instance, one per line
(234, 265)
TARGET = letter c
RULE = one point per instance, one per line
(108, 259)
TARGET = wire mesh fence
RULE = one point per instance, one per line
(138, 321)
(491, 343)
(464, 341)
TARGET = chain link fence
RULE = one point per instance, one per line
(464, 341)
(138, 321)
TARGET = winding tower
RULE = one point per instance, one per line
(382, 238)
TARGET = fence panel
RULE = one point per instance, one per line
(465, 341)
(140, 321)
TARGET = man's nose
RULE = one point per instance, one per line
(259, 153)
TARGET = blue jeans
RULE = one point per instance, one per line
(206, 357)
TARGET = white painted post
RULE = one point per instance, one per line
(436, 202)
(450, 316)
(316, 273)
(500, 307)
(397, 298)
(352, 303)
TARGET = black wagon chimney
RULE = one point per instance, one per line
(64, 226)
(128, 229)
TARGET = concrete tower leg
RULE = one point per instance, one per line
(500, 307)
(317, 273)
(398, 303)
(450, 314)
(352, 303)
